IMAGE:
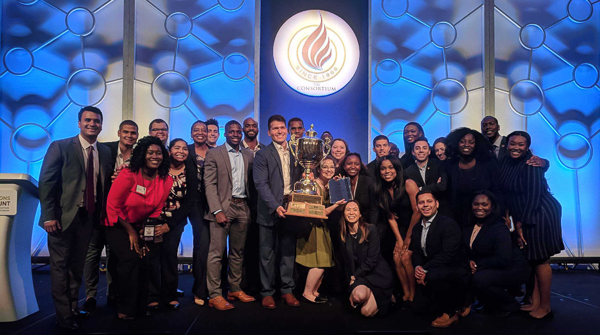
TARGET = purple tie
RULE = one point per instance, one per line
(90, 202)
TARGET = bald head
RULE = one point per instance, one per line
(490, 128)
(250, 129)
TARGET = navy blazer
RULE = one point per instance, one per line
(493, 247)
(433, 172)
(268, 180)
(442, 244)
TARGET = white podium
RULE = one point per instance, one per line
(17, 297)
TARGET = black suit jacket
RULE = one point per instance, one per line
(433, 172)
(442, 244)
(365, 195)
(493, 247)
(114, 151)
(372, 265)
(63, 180)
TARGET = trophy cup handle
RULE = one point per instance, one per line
(326, 148)
(293, 144)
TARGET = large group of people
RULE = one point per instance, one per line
(461, 223)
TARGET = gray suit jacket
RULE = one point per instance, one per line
(62, 181)
(217, 178)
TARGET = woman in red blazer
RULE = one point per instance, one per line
(138, 193)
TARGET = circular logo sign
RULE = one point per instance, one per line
(316, 53)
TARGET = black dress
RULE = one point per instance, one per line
(530, 203)
(463, 182)
(402, 209)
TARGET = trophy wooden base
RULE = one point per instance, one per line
(306, 205)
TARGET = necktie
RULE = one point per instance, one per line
(90, 203)
(496, 152)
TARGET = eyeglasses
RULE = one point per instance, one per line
(159, 129)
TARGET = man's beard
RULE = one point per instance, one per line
(249, 137)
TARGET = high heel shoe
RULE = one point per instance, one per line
(549, 315)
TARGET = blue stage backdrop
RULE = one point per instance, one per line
(195, 60)
(344, 113)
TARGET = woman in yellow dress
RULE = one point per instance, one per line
(316, 251)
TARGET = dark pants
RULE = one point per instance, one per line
(201, 234)
(444, 292)
(162, 261)
(491, 284)
(92, 264)
(67, 258)
(250, 271)
(132, 272)
(277, 249)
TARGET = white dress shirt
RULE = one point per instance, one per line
(284, 156)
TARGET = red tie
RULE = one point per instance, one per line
(90, 202)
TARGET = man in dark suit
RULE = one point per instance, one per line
(73, 190)
(250, 140)
(381, 147)
(120, 154)
(251, 276)
(227, 175)
(490, 128)
(428, 174)
(200, 227)
(274, 176)
(439, 269)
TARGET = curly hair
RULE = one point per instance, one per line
(341, 171)
(138, 157)
(483, 147)
(384, 199)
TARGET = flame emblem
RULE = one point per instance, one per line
(317, 48)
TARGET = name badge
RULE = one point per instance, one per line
(140, 189)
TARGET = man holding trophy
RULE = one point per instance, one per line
(274, 174)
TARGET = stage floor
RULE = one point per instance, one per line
(575, 301)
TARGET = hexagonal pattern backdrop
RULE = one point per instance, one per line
(547, 68)
(427, 66)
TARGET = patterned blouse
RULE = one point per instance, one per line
(175, 196)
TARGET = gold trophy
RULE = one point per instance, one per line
(309, 151)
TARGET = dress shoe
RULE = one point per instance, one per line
(290, 300)
(321, 299)
(67, 324)
(445, 321)
(220, 303)
(90, 304)
(268, 302)
(549, 315)
(80, 314)
(243, 297)
(464, 312)
(317, 300)
(198, 301)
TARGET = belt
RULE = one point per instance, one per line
(287, 197)
(238, 200)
